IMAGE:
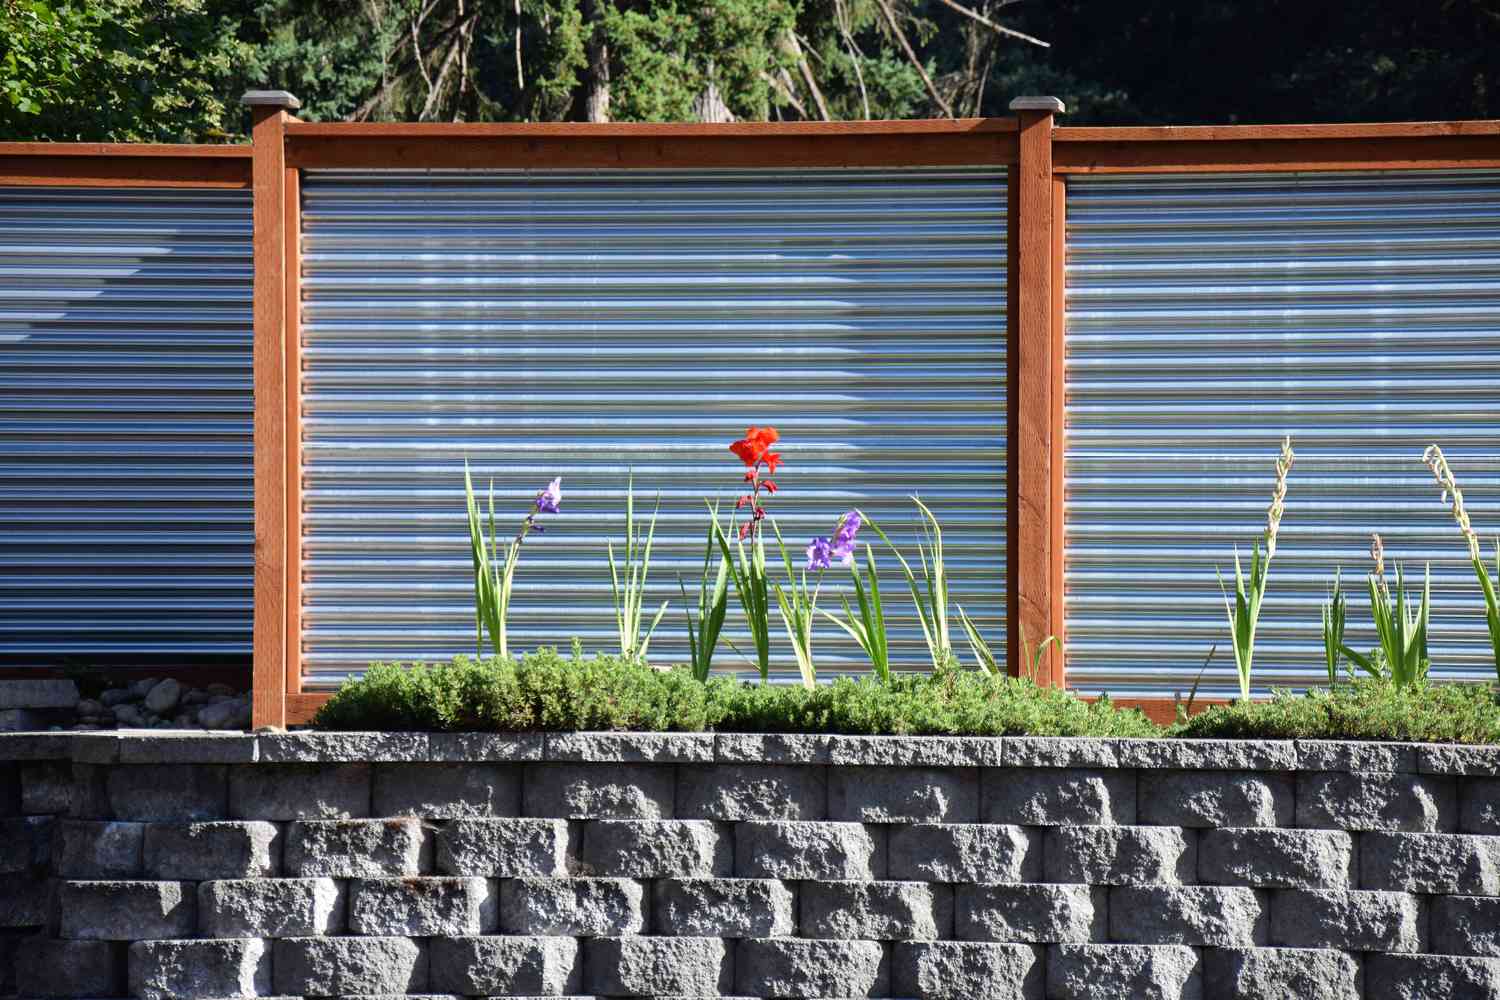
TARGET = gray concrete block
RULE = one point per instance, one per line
(89, 796)
(965, 852)
(1060, 751)
(1222, 917)
(187, 748)
(1058, 796)
(1208, 755)
(667, 848)
(422, 907)
(1215, 798)
(916, 751)
(1112, 971)
(1430, 977)
(348, 966)
(25, 844)
(1464, 925)
(36, 746)
(446, 791)
(46, 787)
(38, 692)
(637, 748)
(10, 789)
(299, 791)
(876, 911)
(307, 747)
(94, 849)
(126, 911)
(504, 847)
(170, 793)
(271, 907)
(226, 849)
(477, 747)
(1352, 920)
(964, 970)
(1120, 855)
(1356, 755)
(510, 966)
(752, 791)
(1274, 973)
(581, 907)
(1449, 759)
(790, 967)
(599, 791)
(24, 901)
(1276, 859)
(723, 907)
(1479, 806)
(801, 850)
(647, 966)
(1340, 800)
(356, 848)
(1034, 913)
(903, 795)
(47, 967)
(170, 970)
(773, 748)
(1452, 864)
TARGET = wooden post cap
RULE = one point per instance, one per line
(270, 99)
(1051, 104)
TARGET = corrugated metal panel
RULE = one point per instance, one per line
(125, 423)
(583, 324)
(1207, 316)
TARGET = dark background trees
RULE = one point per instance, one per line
(171, 70)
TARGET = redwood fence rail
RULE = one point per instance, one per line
(1041, 161)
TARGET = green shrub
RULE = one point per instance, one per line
(1365, 709)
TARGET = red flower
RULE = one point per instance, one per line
(752, 449)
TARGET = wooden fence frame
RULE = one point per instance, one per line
(1040, 156)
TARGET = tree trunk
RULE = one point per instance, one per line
(597, 104)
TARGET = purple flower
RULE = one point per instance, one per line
(819, 554)
(547, 501)
(843, 539)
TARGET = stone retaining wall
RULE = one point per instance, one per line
(615, 865)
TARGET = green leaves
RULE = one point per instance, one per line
(489, 608)
(931, 597)
(1402, 631)
(1334, 614)
(713, 604)
(798, 606)
(868, 628)
(629, 588)
(1244, 614)
(747, 567)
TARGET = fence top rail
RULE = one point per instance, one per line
(123, 165)
(645, 130)
(138, 149)
(1222, 133)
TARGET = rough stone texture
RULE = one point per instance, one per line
(484, 746)
(126, 911)
(669, 848)
(668, 748)
(445, 791)
(422, 907)
(91, 849)
(582, 907)
(89, 796)
(172, 793)
(903, 795)
(1456, 864)
(1119, 855)
(1043, 914)
(1058, 796)
(1209, 755)
(299, 791)
(1187, 914)
(51, 968)
(38, 693)
(917, 751)
(876, 911)
(1276, 859)
(599, 791)
(46, 787)
(1060, 751)
(789, 967)
(1338, 755)
(962, 970)
(349, 966)
(1264, 973)
(965, 852)
(1445, 759)
(1357, 801)
(503, 847)
(723, 907)
(1113, 971)
(212, 850)
(1430, 977)
(752, 791)
(802, 850)
(355, 848)
(1479, 810)
(197, 748)
(1215, 798)
(326, 748)
(514, 966)
(25, 844)
(271, 908)
(23, 901)
(167, 970)
(656, 966)
(1354, 920)
(773, 748)
(1464, 925)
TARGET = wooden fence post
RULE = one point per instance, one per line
(268, 109)
(1035, 549)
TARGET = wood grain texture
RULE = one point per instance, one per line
(638, 130)
(292, 366)
(1031, 386)
(1012, 408)
(300, 708)
(125, 171)
(1283, 148)
(268, 697)
(1057, 439)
